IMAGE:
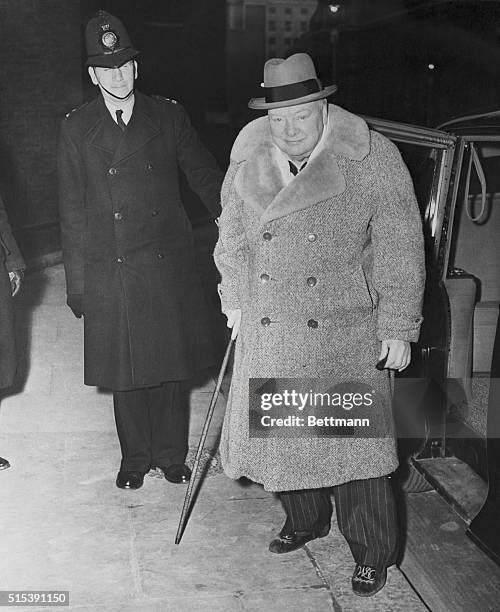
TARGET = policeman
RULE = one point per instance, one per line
(128, 252)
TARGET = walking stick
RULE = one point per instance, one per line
(201, 444)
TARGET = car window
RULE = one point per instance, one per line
(425, 164)
(422, 163)
(475, 244)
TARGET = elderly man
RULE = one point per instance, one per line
(321, 257)
(129, 255)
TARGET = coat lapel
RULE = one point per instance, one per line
(259, 181)
(319, 180)
(142, 127)
(102, 133)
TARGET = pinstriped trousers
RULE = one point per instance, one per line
(366, 516)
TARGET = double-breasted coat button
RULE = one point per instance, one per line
(312, 323)
(149, 167)
(160, 255)
(118, 216)
(312, 237)
(265, 321)
(120, 259)
(113, 171)
(311, 281)
(264, 277)
(154, 212)
(267, 236)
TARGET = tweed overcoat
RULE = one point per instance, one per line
(127, 242)
(10, 260)
(323, 269)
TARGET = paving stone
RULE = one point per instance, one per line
(336, 565)
(84, 550)
(67, 380)
(35, 377)
(224, 603)
(313, 599)
(22, 413)
(79, 412)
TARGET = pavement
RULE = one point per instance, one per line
(65, 526)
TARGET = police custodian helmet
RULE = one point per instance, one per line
(108, 43)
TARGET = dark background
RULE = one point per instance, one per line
(209, 55)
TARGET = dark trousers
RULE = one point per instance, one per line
(366, 516)
(152, 425)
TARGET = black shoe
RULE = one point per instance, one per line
(178, 473)
(366, 580)
(287, 541)
(129, 479)
(4, 464)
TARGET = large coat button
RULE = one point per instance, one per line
(264, 277)
(312, 323)
(265, 321)
(311, 281)
(113, 171)
(149, 167)
(120, 259)
(267, 236)
(312, 237)
(160, 256)
(118, 216)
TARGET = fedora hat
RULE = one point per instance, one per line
(290, 81)
(107, 41)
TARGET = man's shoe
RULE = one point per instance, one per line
(366, 580)
(288, 541)
(178, 473)
(4, 464)
(129, 479)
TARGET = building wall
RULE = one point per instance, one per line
(40, 80)
(256, 31)
(286, 20)
(245, 56)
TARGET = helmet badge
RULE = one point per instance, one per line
(109, 39)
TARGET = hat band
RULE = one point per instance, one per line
(291, 92)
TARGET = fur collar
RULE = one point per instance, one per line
(259, 181)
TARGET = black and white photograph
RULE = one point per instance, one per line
(249, 305)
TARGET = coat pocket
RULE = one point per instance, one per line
(370, 291)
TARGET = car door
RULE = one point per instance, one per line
(434, 159)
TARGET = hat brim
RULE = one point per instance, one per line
(260, 103)
(112, 60)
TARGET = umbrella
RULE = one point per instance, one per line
(191, 487)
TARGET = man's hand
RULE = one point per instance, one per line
(16, 280)
(75, 302)
(233, 321)
(398, 354)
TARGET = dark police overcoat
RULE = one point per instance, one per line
(127, 242)
(10, 260)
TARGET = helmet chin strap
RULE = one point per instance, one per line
(131, 92)
(118, 97)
